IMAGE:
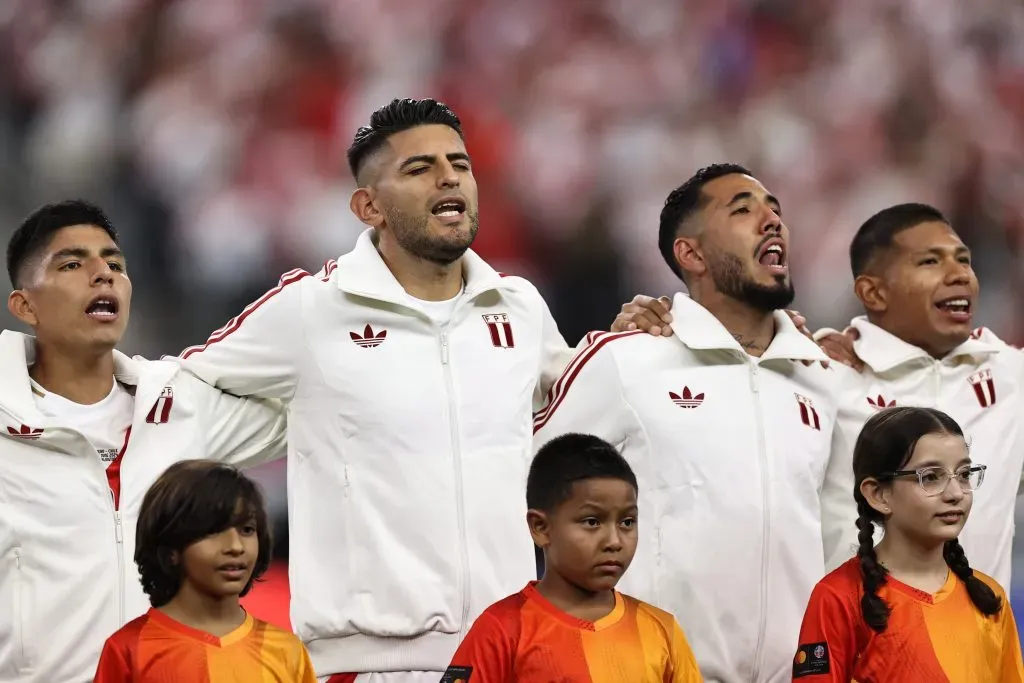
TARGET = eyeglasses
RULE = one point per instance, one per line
(934, 480)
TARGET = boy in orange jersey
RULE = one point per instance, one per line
(202, 540)
(573, 625)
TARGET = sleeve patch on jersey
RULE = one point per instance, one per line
(811, 659)
(457, 674)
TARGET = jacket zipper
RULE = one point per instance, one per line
(21, 656)
(766, 526)
(119, 542)
(457, 464)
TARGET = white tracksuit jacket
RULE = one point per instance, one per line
(68, 578)
(730, 453)
(408, 447)
(980, 384)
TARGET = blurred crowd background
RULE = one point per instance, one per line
(214, 133)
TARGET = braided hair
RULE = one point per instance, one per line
(872, 606)
(886, 444)
(983, 597)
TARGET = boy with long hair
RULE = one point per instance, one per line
(203, 539)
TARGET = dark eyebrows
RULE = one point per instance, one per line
(935, 463)
(942, 251)
(431, 159)
(770, 199)
(591, 508)
(80, 252)
(739, 197)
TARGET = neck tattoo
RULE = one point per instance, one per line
(747, 344)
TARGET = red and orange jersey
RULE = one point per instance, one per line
(939, 638)
(157, 649)
(526, 639)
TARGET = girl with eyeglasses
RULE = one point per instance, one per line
(910, 608)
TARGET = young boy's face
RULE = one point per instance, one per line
(590, 539)
(221, 564)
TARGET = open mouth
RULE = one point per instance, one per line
(449, 209)
(958, 308)
(233, 571)
(773, 255)
(103, 308)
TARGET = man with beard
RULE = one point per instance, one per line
(410, 369)
(728, 425)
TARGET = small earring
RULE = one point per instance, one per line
(885, 510)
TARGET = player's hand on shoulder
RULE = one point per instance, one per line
(801, 324)
(800, 321)
(647, 314)
(839, 347)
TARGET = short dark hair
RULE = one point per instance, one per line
(886, 444)
(191, 500)
(878, 232)
(395, 117)
(570, 458)
(683, 202)
(36, 231)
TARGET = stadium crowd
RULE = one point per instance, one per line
(216, 136)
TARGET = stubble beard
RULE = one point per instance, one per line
(413, 234)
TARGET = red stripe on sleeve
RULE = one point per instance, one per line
(223, 333)
(561, 387)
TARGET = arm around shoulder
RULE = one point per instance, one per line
(838, 507)
(588, 396)
(257, 352)
(242, 431)
(555, 356)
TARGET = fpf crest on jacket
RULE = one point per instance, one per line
(59, 500)
(729, 452)
(980, 384)
(406, 439)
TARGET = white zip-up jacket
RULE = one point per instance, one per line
(408, 448)
(980, 384)
(730, 452)
(68, 578)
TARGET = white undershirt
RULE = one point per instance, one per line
(440, 311)
(104, 424)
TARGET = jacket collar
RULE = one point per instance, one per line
(882, 351)
(362, 272)
(17, 353)
(697, 328)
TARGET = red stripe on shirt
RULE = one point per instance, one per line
(223, 333)
(114, 470)
(560, 388)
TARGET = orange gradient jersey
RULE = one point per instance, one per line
(157, 649)
(526, 639)
(938, 638)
